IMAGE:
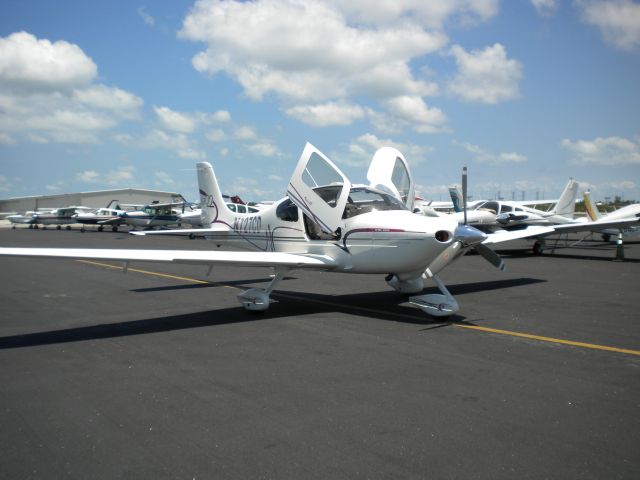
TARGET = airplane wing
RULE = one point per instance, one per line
(596, 226)
(193, 257)
(111, 221)
(542, 231)
(215, 228)
(506, 235)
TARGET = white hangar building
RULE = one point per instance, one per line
(101, 198)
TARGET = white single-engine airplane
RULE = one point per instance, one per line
(324, 223)
(152, 215)
(109, 215)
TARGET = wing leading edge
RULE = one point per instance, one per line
(197, 257)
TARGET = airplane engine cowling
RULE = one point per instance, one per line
(413, 285)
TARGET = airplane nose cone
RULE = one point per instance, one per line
(469, 235)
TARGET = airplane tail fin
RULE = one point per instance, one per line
(592, 211)
(211, 200)
(566, 205)
(114, 204)
(456, 198)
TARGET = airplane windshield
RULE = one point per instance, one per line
(493, 206)
(363, 200)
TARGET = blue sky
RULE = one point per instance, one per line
(526, 93)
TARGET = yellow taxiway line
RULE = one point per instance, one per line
(549, 339)
(146, 272)
(477, 328)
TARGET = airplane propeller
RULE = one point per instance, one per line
(465, 237)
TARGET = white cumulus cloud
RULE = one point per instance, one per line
(49, 94)
(28, 63)
(282, 46)
(617, 20)
(361, 150)
(113, 99)
(431, 13)
(119, 176)
(265, 149)
(316, 57)
(326, 114)
(485, 76)
(176, 121)
(545, 8)
(416, 113)
(481, 155)
(604, 151)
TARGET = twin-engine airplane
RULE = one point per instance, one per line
(324, 223)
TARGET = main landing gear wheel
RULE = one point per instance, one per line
(257, 299)
(537, 248)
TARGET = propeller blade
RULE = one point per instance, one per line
(442, 260)
(464, 193)
(490, 256)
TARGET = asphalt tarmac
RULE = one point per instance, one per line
(160, 373)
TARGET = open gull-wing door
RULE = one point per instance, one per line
(389, 171)
(319, 189)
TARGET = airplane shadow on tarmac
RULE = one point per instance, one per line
(380, 305)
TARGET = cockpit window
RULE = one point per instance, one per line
(505, 208)
(400, 178)
(329, 194)
(490, 206)
(287, 211)
(323, 179)
(363, 200)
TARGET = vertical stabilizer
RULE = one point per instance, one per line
(589, 205)
(211, 201)
(566, 205)
(114, 204)
(456, 198)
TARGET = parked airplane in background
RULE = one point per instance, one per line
(193, 216)
(627, 224)
(475, 218)
(152, 215)
(630, 211)
(492, 216)
(510, 215)
(58, 217)
(324, 223)
(21, 219)
(109, 215)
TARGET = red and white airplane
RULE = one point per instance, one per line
(324, 223)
